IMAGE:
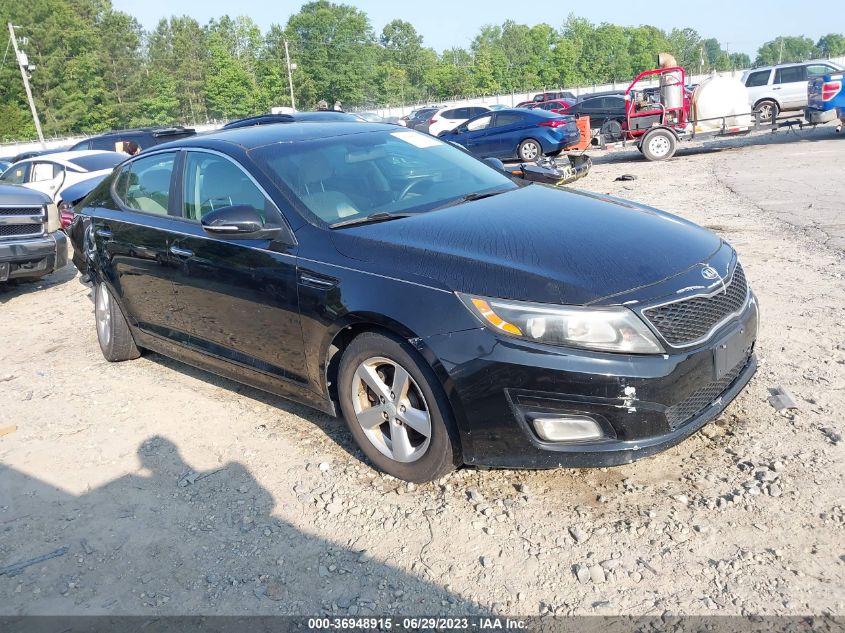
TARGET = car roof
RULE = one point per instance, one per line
(160, 130)
(290, 117)
(67, 157)
(790, 64)
(248, 138)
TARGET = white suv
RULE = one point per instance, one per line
(447, 119)
(773, 89)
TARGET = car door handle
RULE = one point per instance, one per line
(777, 88)
(181, 252)
(106, 234)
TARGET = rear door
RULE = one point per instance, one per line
(790, 86)
(133, 237)
(238, 296)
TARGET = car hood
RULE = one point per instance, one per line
(536, 243)
(11, 195)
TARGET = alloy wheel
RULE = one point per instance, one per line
(530, 151)
(102, 309)
(391, 410)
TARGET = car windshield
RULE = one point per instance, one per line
(96, 162)
(353, 176)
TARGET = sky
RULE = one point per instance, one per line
(742, 26)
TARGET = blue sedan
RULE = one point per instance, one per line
(523, 134)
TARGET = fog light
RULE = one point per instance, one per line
(572, 428)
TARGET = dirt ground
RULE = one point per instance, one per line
(160, 489)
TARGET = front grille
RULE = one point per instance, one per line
(685, 322)
(12, 230)
(700, 399)
(21, 211)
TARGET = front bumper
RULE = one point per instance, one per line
(644, 404)
(815, 116)
(34, 257)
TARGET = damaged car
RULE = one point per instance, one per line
(450, 313)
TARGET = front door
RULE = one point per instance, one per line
(132, 241)
(238, 296)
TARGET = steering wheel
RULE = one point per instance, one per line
(410, 186)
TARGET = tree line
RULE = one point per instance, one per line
(94, 68)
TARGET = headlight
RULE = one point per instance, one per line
(53, 220)
(604, 329)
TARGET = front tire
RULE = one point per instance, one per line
(396, 409)
(529, 150)
(113, 332)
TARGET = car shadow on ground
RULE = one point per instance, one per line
(333, 427)
(166, 539)
(15, 288)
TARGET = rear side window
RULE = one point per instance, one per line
(759, 78)
(144, 184)
(80, 146)
(591, 104)
(790, 74)
(509, 118)
(452, 114)
(477, 111)
(107, 143)
(213, 182)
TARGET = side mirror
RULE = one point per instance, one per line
(240, 219)
(496, 164)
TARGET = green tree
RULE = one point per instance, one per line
(335, 48)
(178, 48)
(231, 88)
(786, 49)
(831, 45)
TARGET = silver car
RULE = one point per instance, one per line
(775, 89)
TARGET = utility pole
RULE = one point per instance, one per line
(290, 76)
(23, 63)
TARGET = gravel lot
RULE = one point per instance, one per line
(164, 490)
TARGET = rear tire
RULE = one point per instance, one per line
(113, 332)
(396, 409)
(659, 144)
(529, 150)
(767, 111)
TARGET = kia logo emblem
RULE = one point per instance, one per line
(710, 273)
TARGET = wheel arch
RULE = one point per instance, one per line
(770, 99)
(358, 323)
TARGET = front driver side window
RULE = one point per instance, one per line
(213, 182)
(480, 123)
(144, 184)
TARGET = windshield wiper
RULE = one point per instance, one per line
(478, 195)
(378, 216)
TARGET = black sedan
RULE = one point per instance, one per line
(452, 315)
(600, 109)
